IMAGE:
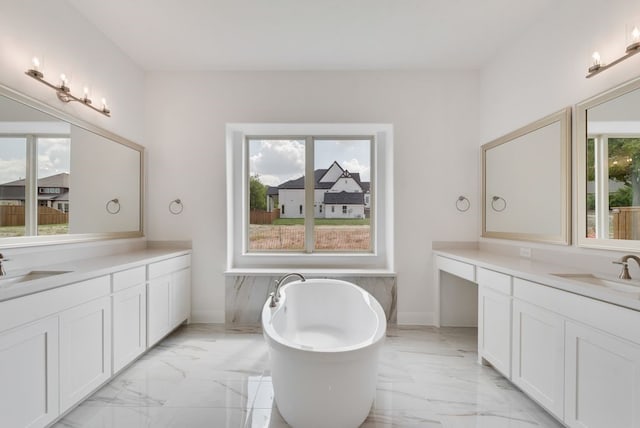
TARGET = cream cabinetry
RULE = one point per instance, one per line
(85, 349)
(168, 296)
(30, 375)
(494, 319)
(538, 364)
(129, 316)
(577, 356)
(59, 345)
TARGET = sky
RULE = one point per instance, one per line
(53, 157)
(277, 161)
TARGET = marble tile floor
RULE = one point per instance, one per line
(210, 376)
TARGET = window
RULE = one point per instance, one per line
(613, 161)
(270, 166)
(34, 176)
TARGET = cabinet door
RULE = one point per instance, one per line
(602, 379)
(129, 325)
(180, 297)
(85, 350)
(494, 329)
(538, 355)
(29, 375)
(158, 297)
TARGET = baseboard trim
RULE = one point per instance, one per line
(207, 317)
(417, 318)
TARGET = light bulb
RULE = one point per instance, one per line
(36, 63)
(596, 58)
(635, 34)
(63, 77)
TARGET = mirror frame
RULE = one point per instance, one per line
(564, 237)
(581, 176)
(27, 241)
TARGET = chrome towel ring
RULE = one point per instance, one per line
(463, 204)
(497, 205)
(113, 206)
(176, 207)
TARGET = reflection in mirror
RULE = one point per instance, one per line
(526, 182)
(609, 168)
(57, 173)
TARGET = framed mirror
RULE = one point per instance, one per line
(608, 164)
(62, 179)
(527, 182)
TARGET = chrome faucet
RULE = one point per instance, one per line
(3, 272)
(624, 261)
(275, 295)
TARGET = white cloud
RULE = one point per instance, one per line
(53, 156)
(11, 170)
(276, 161)
(354, 165)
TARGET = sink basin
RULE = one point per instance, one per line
(29, 276)
(623, 285)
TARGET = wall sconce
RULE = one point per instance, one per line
(64, 92)
(633, 47)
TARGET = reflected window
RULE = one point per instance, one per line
(13, 172)
(54, 167)
(613, 187)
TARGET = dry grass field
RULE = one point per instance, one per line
(340, 238)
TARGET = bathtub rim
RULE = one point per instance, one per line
(275, 339)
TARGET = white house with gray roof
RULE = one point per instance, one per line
(338, 194)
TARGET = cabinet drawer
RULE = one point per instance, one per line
(128, 278)
(170, 265)
(496, 281)
(454, 267)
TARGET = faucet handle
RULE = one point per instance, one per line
(620, 262)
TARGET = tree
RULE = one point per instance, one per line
(257, 194)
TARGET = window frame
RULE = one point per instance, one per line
(381, 255)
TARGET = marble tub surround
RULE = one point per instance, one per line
(212, 376)
(245, 295)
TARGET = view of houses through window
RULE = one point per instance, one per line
(341, 212)
(52, 165)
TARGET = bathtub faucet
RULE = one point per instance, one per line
(275, 295)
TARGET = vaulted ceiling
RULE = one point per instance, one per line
(311, 34)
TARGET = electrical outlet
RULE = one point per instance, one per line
(525, 252)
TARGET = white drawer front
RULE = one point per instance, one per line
(454, 267)
(496, 281)
(170, 265)
(129, 278)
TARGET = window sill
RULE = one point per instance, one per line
(311, 272)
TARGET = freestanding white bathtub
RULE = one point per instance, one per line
(324, 338)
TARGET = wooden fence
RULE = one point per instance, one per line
(13, 215)
(263, 217)
(626, 222)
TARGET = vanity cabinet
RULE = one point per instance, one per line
(538, 354)
(85, 345)
(494, 319)
(129, 316)
(30, 375)
(168, 296)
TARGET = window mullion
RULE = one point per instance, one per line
(309, 190)
(31, 188)
(601, 152)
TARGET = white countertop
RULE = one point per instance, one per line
(542, 273)
(83, 269)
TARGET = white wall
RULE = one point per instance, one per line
(435, 118)
(54, 31)
(544, 70)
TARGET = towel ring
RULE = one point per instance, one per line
(113, 206)
(176, 207)
(463, 204)
(503, 203)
